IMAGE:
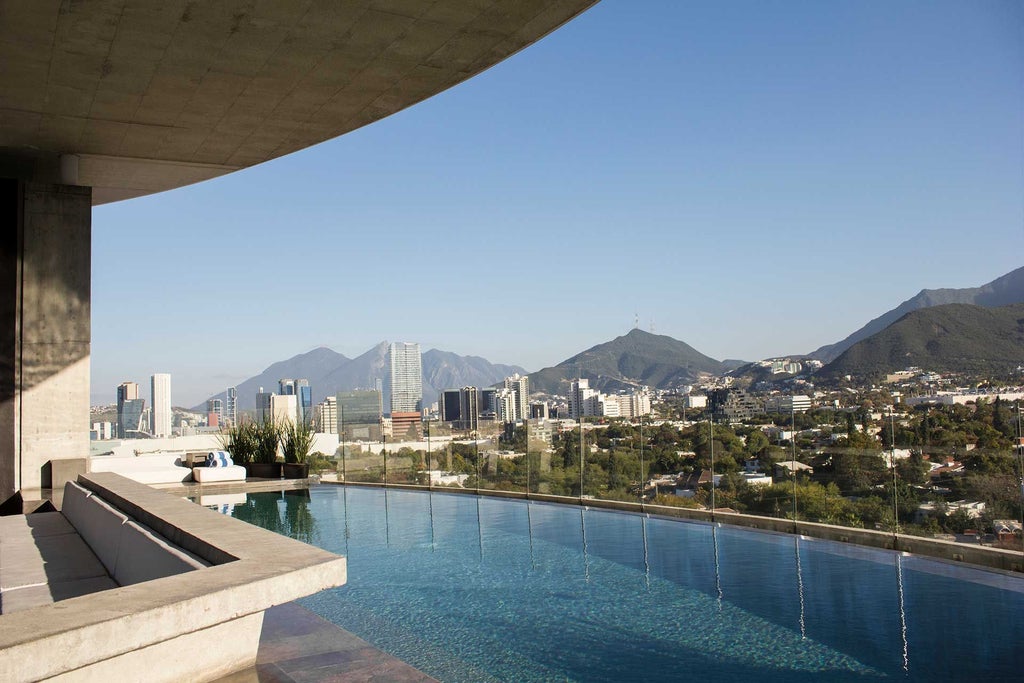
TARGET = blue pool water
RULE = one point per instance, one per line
(483, 589)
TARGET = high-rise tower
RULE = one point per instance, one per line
(160, 385)
(126, 391)
(406, 378)
(129, 410)
(469, 408)
(303, 396)
(230, 401)
(305, 400)
(516, 399)
(359, 414)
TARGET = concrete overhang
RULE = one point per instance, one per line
(132, 97)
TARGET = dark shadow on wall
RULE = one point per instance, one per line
(45, 299)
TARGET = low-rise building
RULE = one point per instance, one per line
(799, 403)
(541, 430)
(695, 401)
(756, 478)
(101, 431)
(587, 402)
(687, 488)
(973, 508)
(734, 405)
(1006, 528)
(786, 468)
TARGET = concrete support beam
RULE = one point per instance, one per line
(155, 95)
(45, 290)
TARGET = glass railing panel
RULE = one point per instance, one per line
(939, 488)
(361, 464)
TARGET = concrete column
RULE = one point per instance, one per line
(45, 283)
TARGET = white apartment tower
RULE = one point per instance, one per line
(505, 405)
(519, 388)
(160, 385)
(406, 377)
(582, 399)
(587, 402)
(327, 415)
(230, 401)
(283, 408)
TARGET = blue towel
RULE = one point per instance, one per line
(218, 459)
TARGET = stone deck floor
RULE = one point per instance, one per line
(297, 646)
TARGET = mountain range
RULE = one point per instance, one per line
(634, 359)
(942, 329)
(1008, 289)
(948, 338)
(329, 372)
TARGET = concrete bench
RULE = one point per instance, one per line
(107, 589)
(43, 559)
(89, 547)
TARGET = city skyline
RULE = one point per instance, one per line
(739, 165)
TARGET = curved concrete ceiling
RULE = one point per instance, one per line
(138, 96)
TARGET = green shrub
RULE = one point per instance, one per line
(296, 441)
(240, 442)
(266, 435)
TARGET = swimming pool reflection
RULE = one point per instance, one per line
(517, 591)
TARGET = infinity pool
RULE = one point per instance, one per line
(470, 588)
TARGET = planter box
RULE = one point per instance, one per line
(263, 470)
(296, 470)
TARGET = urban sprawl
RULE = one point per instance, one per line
(914, 454)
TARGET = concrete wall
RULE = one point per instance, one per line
(325, 443)
(128, 447)
(45, 285)
(437, 443)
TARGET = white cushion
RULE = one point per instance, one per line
(165, 468)
(145, 556)
(119, 463)
(230, 473)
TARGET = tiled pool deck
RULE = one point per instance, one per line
(297, 646)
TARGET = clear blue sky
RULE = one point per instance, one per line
(756, 178)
